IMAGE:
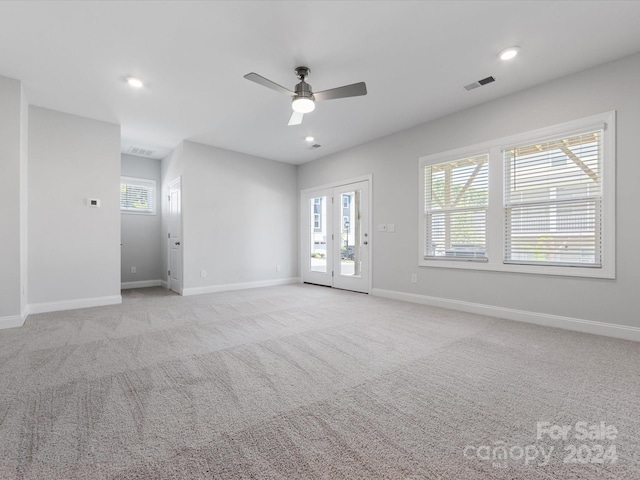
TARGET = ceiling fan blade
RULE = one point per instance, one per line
(265, 82)
(296, 118)
(353, 90)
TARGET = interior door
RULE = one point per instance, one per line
(175, 236)
(336, 237)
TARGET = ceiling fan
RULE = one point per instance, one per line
(303, 97)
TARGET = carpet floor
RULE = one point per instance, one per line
(306, 382)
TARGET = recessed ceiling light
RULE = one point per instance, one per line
(309, 139)
(135, 82)
(509, 53)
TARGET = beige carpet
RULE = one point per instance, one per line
(306, 382)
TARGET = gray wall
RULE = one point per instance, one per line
(239, 217)
(393, 161)
(140, 234)
(12, 161)
(74, 250)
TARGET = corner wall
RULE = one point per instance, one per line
(74, 250)
(580, 303)
(12, 204)
(239, 216)
(24, 205)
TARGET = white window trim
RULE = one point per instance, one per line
(495, 217)
(146, 182)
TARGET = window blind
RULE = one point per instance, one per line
(553, 201)
(137, 195)
(456, 200)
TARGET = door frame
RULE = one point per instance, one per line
(302, 259)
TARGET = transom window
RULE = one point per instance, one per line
(540, 202)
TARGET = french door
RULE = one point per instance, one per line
(336, 237)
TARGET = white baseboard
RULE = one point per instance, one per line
(11, 321)
(164, 284)
(74, 304)
(238, 286)
(568, 323)
(141, 284)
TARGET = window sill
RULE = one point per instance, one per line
(565, 271)
(124, 212)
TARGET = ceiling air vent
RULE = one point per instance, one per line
(142, 152)
(479, 83)
(316, 145)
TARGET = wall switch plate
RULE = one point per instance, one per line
(391, 227)
(278, 267)
(133, 269)
(382, 227)
(203, 274)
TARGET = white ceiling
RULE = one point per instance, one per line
(415, 56)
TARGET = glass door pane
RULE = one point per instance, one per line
(350, 227)
(318, 234)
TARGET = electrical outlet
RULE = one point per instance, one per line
(391, 227)
(278, 267)
(203, 274)
(133, 269)
(414, 278)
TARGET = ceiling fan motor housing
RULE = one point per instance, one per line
(303, 90)
(304, 101)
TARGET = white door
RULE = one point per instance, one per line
(336, 235)
(317, 261)
(175, 237)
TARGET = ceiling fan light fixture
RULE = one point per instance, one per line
(303, 105)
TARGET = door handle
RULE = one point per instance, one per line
(177, 243)
(365, 242)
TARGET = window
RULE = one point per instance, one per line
(540, 202)
(137, 195)
(553, 199)
(456, 199)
